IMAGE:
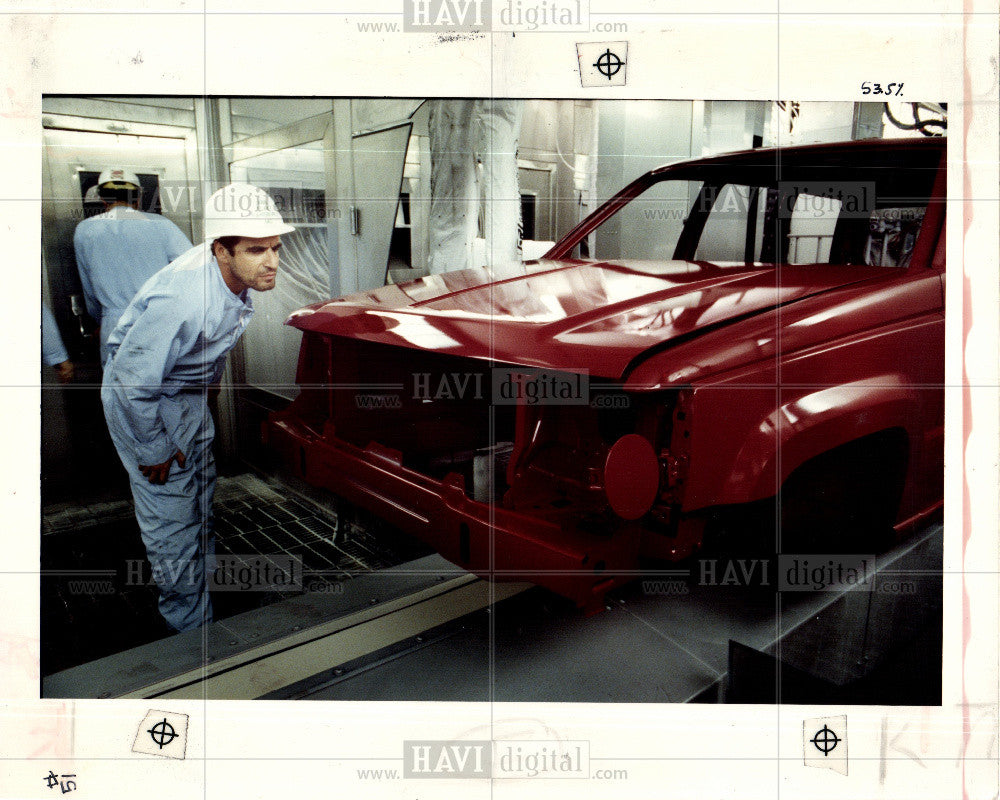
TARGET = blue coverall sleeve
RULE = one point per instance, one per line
(177, 242)
(159, 336)
(83, 266)
(53, 350)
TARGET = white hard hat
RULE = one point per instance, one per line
(117, 178)
(243, 210)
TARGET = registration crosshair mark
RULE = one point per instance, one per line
(825, 740)
(162, 733)
(608, 64)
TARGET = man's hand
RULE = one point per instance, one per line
(64, 371)
(157, 473)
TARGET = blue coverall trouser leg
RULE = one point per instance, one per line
(175, 518)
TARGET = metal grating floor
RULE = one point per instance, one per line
(89, 609)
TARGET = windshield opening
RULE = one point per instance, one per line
(867, 216)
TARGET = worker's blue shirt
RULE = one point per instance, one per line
(172, 340)
(116, 253)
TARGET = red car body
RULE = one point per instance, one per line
(716, 389)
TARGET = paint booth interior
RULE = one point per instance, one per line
(354, 176)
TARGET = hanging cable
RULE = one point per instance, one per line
(922, 124)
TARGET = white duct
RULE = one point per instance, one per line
(454, 192)
(464, 133)
(499, 124)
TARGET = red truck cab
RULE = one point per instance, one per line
(734, 346)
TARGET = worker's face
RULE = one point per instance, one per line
(253, 263)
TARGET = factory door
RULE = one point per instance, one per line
(377, 161)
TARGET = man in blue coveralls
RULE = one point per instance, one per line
(119, 250)
(168, 348)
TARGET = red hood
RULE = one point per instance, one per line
(574, 316)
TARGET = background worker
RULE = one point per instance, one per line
(169, 347)
(119, 250)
